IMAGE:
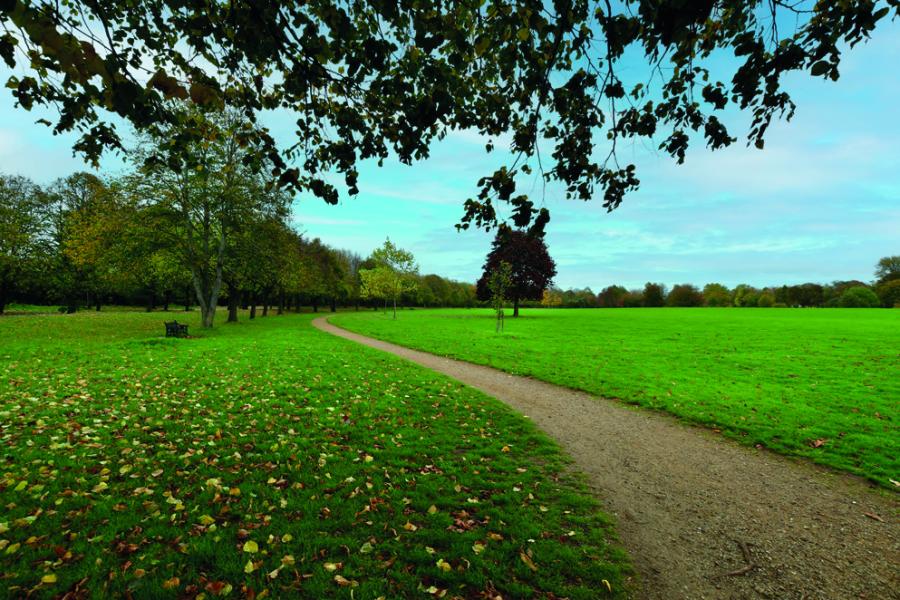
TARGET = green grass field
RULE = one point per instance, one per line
(268, 458)
(822, 384)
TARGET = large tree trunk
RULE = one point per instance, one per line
(515, 308)
(166, 297)
(253, 305)
(281, 302)
(208, 296)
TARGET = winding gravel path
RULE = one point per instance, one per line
(692, 506)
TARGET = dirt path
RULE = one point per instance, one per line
(691, 506)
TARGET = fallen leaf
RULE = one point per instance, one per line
(169, 584)
(344, 582)
(528, 562)
(251, 547)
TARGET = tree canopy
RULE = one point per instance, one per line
(368, 80)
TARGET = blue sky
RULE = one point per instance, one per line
(821, 202)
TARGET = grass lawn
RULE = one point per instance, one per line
(823, 384)
(270, 459)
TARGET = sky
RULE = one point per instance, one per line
(820, 203)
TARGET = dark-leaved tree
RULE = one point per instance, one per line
(532, 267)
(654, 294)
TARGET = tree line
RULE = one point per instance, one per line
(884, 291)
(203, 227)
(85, 242)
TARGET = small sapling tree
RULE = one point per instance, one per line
(499, 282)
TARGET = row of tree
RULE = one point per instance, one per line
(884, 291)
(202, 228)
(85, 241)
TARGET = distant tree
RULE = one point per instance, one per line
(633, 299)
(685, 294)
(889, 293)
(499, 283)
(766, 299)
(532, 268)
(859, 297)
(434, 290)
(20, 227)
(612, 297)
(888, 269)
(552, 298)
(716, 294)
(579, 298)
(744, 295)
(807, 294)
(396, 272)
(654, 294)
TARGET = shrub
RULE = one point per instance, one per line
(859, 297)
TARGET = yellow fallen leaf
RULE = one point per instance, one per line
(369, 458)
(251, 547)
(432, 509)
(286, 538)
(606, 583)
(331, 567)
(21, 486)
(169, 584)
(206, 520)
(495, 536)
(48, 578)
(443, 565)
(478, 548)
(344, 582)
(504, 449)
(12, 548)
(288, 560)
(528, 562)
(409, 526)
(249, 568)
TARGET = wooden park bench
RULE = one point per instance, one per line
(176, 329)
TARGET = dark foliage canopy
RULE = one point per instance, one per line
(382, 78)
(532, 267)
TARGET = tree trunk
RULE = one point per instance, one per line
(233, 303)
(515, 308)
(315, 304)
(97, 304)
(151, 301)
(281, 302)
(333, 304)
(187, 298)
(166, 297)
(395, 308)
(253, 306)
